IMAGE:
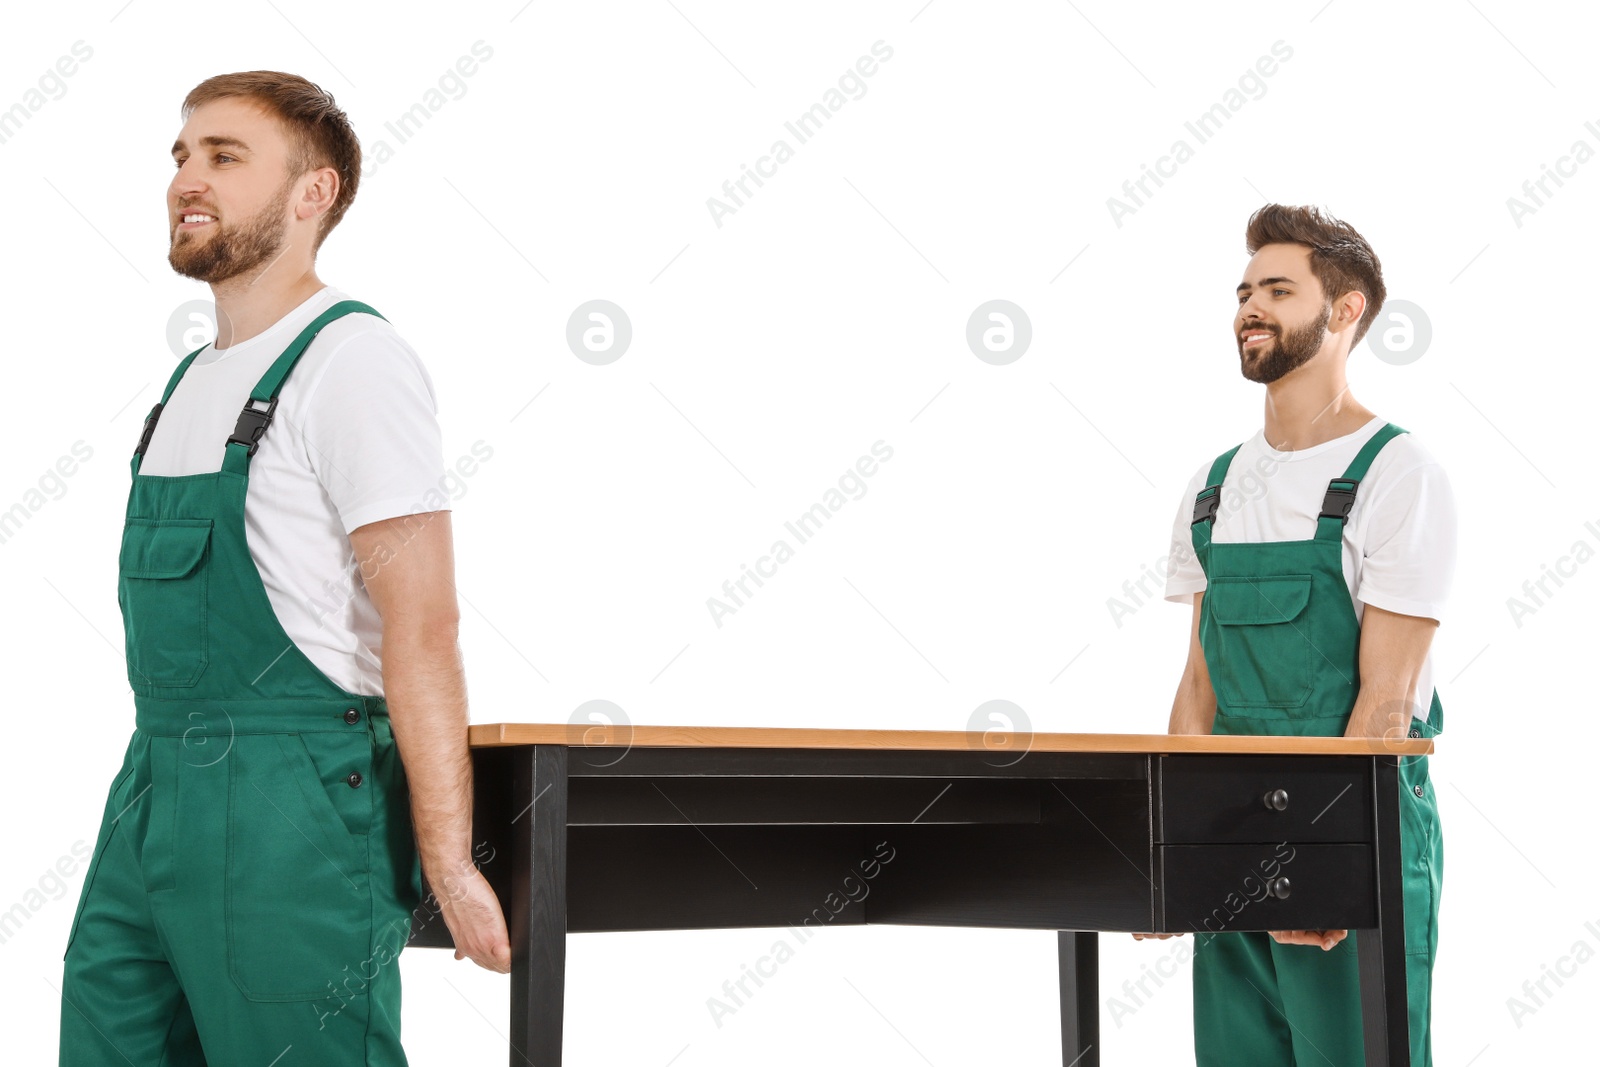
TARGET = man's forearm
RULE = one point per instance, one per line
(1385, 706)
(1393, 647)
(1194, 709)
(424, 685)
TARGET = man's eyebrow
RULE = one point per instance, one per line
(1264, 282)
(211, 141)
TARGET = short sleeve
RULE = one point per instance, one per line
(1409, 556)
(372, 432)
(1185, 576)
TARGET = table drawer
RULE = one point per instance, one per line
(1220, 799)
(1222, 888)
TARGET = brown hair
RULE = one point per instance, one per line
(1341, 259)
(319, 132)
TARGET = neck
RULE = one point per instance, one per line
(246, 306)
(1310, 405)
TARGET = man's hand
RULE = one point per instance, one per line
(477, 926)
(1324, 939)
(1154, 937)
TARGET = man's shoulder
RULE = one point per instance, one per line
(358, 361)
(1405, 474)
(369, 340)
(355, 323)
(1405, 454)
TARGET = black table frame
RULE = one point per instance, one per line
(577, 839)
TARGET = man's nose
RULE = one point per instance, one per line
(1249, 312)
(186, 182)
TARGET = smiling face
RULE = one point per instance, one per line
(228, 206)
(1283, 316)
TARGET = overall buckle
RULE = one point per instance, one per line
(149, 428)
(252, 424)
(1205, 507)
(1338, 501)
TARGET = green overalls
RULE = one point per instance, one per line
(1282, 643)
(255, 871)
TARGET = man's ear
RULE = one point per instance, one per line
(320, 193)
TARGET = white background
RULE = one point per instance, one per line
(769, 353)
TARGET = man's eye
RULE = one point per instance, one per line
(220, 157)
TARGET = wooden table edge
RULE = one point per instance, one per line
(501, 734)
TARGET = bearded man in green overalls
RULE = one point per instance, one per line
(1317, 555)
(262, 846)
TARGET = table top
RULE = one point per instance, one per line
(583, 735)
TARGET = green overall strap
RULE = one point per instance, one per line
(1207, 499)
(1341, 496)
(253, 421)
(151, 419)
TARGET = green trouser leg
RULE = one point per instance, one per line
(118, 980)
(1261, 1004)
(1422, 847)
(230, 916)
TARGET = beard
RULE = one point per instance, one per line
(1285, 351)
(233, 250)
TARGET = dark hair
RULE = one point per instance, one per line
(319, 132)
(1341, 259)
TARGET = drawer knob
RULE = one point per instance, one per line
(1277, 799)
(1280, 888)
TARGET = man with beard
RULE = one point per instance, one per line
(300, 755)
(1318, 556)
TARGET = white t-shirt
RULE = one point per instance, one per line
(355, 438)
(1399, 542)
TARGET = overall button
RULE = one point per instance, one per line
(351, 715)
(1414, 731)
(355, 779)
(1417, 789)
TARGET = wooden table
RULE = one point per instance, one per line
(673, 828)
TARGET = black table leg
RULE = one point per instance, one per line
(1381, 953)
(1079, 952)
(537, 918)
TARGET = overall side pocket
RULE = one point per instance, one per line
(1421, 853)
(297, 896)
(108, 826)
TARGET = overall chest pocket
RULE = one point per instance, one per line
(1262, 641)
(162, 589)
